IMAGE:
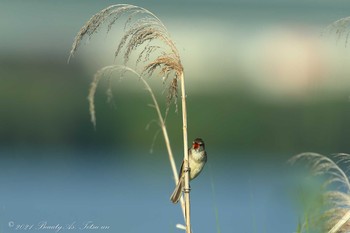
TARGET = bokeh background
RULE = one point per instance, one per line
(262, 86)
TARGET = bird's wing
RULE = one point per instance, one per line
(181, 170)
(182, 165)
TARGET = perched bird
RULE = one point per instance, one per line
(197, 157)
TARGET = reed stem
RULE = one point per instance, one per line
(186, 163)
(166, 139)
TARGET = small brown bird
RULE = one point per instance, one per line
(197, 157)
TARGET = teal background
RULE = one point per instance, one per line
(55, 167)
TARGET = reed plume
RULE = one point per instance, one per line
(139, 33)
(143, 32)
(340, 27)
(335, 204)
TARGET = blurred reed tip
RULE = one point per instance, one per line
(341, 28)
(106, 71)
(142, 29)
(181, 227)
(335, 210)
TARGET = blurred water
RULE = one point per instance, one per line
(100, 190)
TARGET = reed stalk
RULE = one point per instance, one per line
(186, 162)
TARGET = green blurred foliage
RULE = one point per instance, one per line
(43, 103)
(43, 99)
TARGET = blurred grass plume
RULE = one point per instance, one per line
(340, 27)
(141, 30)
(334, 211)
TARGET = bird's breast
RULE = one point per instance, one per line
(196, 161)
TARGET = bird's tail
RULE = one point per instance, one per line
(175, 197)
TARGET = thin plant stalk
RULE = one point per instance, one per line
(98, 75)
(186, 162)
(340, 223)
(167, 141)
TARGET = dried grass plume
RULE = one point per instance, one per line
(335, 209)
(141, 30)
(341, 28)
